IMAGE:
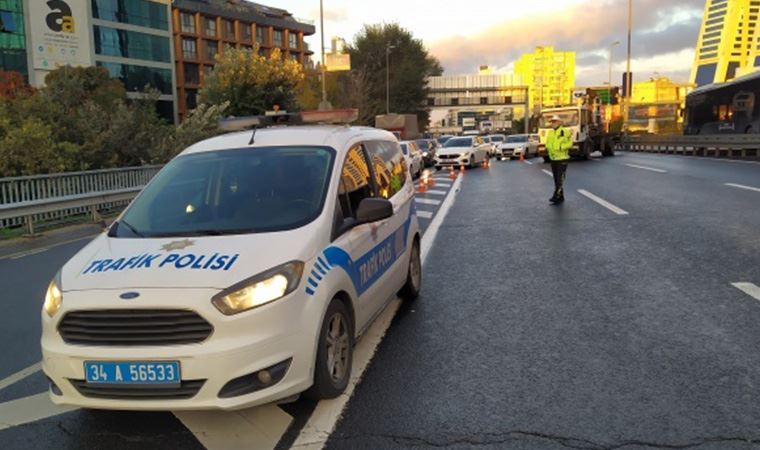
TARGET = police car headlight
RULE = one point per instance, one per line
(53, 296)
(425, 154)
(257, 291)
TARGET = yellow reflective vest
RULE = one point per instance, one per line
(558, 144)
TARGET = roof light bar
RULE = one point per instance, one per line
(339, 116)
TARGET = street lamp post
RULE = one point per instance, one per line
(324, 105)
(609, 90)
(388, 49)
(628, 77)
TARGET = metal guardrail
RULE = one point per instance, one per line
(29, 210)
(48, 189)
(722, 146)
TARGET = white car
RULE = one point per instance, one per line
(241, 275)
(414, 157)
(519, 144)
(467, 151)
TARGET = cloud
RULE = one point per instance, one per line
(588, 29)
(332, 14)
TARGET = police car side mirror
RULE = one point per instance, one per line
(374, 210)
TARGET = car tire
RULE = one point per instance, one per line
(587, 150)
(411, 289)
(338, 328)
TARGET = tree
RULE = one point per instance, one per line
(410, 66)
(201, 123)
(251, 83)
(13, 84)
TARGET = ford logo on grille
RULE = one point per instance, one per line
(129, 295)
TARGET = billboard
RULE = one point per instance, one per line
(59, 33)
(338, 62)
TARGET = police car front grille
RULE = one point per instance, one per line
(186, 389)
(134, 327)
(449, 156)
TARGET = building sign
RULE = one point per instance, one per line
(59, 32)
(338, 62)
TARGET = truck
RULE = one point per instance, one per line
(404, 126)
(594, 127)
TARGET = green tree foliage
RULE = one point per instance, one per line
(82, 120)
(410, 66)
(200, 124)
(251, 83)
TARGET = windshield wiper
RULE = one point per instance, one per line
(131, 228)
(209, 232)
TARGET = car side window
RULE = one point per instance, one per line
(390, 167)
(355, 183)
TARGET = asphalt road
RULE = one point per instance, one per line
(579, 326)
(600, 324)
(24, 276)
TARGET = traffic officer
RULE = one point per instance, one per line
(559, 141)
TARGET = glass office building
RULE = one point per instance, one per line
(132, 39)
(12, 37)
(729, 41)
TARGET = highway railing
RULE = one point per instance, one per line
(55, 197)
(721, 146)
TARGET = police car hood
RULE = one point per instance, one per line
(513, 145)
(215, 262)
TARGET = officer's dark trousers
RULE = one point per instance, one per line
(559, 169)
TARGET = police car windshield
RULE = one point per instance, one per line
(518, 138)
(232, 192)
(458, 142)
(497, 138)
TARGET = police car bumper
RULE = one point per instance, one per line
(224, 371)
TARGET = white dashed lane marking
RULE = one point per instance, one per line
(651, 169)
(603, 202)
(547, 172)
(750, 289)
(425, 215)
(434, 192)
(427, 201)
(741, 186)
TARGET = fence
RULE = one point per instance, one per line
(20, 193)
(721, 146)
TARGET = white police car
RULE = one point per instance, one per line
(241, 275)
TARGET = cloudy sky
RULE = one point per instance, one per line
(464, 35)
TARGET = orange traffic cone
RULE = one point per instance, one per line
(423, 186)
(452, 174)
(522, 156)
(461, 168)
